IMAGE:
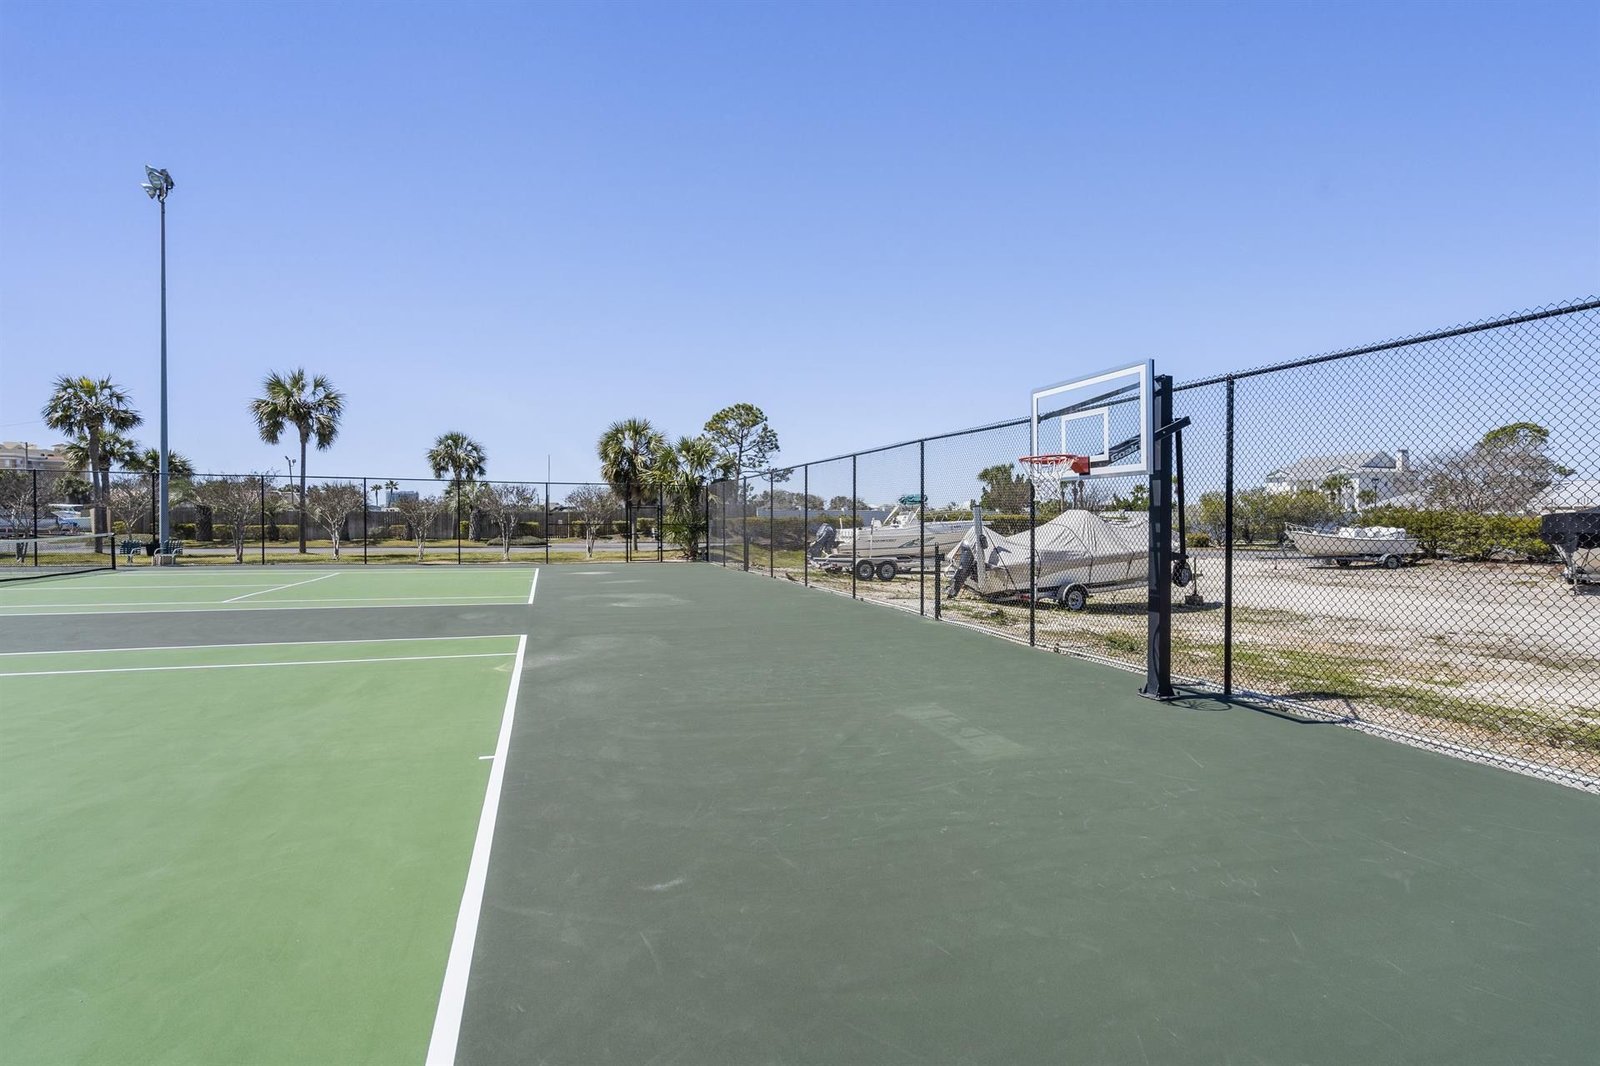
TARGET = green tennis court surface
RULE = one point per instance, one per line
(254, 589)
(739, 822)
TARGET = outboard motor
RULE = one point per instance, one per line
(826, 539)
(965, 569)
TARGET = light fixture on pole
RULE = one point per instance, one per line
(157, 187)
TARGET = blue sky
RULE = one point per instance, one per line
(875, 221)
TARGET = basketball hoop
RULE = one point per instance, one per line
(1046, 471)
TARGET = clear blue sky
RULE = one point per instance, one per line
(526, 221)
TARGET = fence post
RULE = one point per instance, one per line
(155, 521)
(33, 477)
(772, 525)
(855, 527)
(1158, 614)
(458, 521)
(263, 525)
(661, 507)
(546, 529)
(805, 524)
(1033, 560)
(365, 532)
(922, 527)
(705, 538)
(1227, 549)
(724, 502)
(936, 605)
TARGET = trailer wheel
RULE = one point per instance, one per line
(1342, 562)
(864, 570)
(1074, 597)
(1390, 562)
(1182, 576)
(887, 571)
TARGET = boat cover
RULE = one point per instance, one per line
(1071, 539)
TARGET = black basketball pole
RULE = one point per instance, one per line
(1158, 622)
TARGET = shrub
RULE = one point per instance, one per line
(183, 531)
(1198, 540)
(526, 529)
(1464, 533)
(222, 531)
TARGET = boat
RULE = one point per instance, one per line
(1575, 535)
(891, 545)
(1388, 546)
(1077, 552)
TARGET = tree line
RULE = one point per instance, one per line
(638, 464)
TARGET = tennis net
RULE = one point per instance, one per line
(67, 553)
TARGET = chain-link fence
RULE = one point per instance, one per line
(1404, 537)
(265, 518)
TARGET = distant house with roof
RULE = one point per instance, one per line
(1574, 494)
(1368, 478)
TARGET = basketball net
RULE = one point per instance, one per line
(1046, 471)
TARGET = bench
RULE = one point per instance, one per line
(170, 550)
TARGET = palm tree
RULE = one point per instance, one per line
(118, 451)
(149, 462)
(682, 474)
(91, 409)
(115, 451)
(1333, 486)
(627, 450)
(466, 461)
(313, 406)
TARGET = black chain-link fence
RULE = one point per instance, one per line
(1404, 537)
(257, 518)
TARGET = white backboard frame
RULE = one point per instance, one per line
(1141, 375)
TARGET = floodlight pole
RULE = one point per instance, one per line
(157, 187)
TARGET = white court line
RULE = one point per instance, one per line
(535, 586)
(5, 612)
(253, 606)
(256, 644)
(124, 588)
(243, 666)
(453, 993)
(280, 588)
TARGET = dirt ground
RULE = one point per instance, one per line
(1499, 656)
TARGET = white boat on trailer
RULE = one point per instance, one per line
(896, 544)
(1387, 546)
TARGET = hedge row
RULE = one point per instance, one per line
(1464, 534)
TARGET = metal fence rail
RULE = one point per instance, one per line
(1478, 642)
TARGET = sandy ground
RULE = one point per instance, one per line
(1503, 656)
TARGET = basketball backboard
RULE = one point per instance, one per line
(1106, 417)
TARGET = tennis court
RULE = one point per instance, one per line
(730, 822)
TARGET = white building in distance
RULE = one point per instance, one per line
(1369, 477)
(21, 455)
